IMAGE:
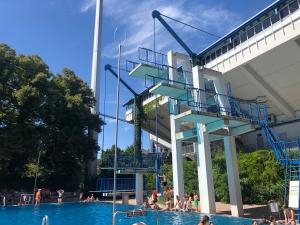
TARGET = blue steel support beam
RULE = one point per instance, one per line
(109, 68)
(157, 15)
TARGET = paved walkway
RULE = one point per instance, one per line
(250, 211)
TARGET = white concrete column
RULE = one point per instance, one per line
(236, 202)
(139, 189)
(177, 161)
(95, 83)
(199, 95)
(205, 174)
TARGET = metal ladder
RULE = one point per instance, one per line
(45, 220)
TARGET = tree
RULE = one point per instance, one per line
(43, 112)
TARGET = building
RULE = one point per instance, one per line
(261, 61)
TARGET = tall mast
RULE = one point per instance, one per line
(95, 84)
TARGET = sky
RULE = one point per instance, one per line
(61, 32)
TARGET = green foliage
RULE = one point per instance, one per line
(220, 177)
(40, 111)
(261, 176)
(190, 176)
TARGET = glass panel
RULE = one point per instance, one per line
(294, 6)
(224, 49)
(218, 52)
(258, 28)
(243, 37)
(203, 62)
(250, 32)
(236, 41)
(207, 59)
(230, 46)
(266, 23)
(213, 56)
(275, 18)
(284, 12)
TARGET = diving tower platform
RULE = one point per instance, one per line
(261, 60)
(141, 69)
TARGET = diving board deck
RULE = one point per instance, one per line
(146, 71)
(221, 125)
(166, 89)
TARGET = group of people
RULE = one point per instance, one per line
(39, 194)
(89, 198)
(289, 218)
(190, 202)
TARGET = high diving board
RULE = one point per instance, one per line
(146, 71)
(167, 89)
(136, 170)
(131, 170)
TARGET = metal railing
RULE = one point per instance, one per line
(152, 57)
(258, 27)
(131, 161)
(187, 149)
(45, 220)
(205, 101)
(123, 184)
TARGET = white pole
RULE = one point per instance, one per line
(116, 137)
(36, 176)
(95, 84)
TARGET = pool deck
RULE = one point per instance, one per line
(250, 211)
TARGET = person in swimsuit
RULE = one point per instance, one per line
(189, 204)
(60, 193)
(178, 206)
(205, 221)
(38, 197)
(164, 180)
(196, 202)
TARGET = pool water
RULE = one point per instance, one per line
(99, 214)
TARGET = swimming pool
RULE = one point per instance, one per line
(98, 214)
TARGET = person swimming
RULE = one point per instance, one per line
(205, 221)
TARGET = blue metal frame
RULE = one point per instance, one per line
(123, 184)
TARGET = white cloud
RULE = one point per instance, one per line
(134, 18)
(87, 4)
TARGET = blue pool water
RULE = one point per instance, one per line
(98, 214)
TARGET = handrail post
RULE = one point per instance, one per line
(45, 220)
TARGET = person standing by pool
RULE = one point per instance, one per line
(196, 202)
(38, 197)
(164, 180)
(60, 193)
(81, 197)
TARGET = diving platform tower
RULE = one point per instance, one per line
(201, 116)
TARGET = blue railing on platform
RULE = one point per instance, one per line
(123, 184)
(205, 101)
(131, 161)
(149, 56)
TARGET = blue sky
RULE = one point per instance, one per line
(61, 32)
